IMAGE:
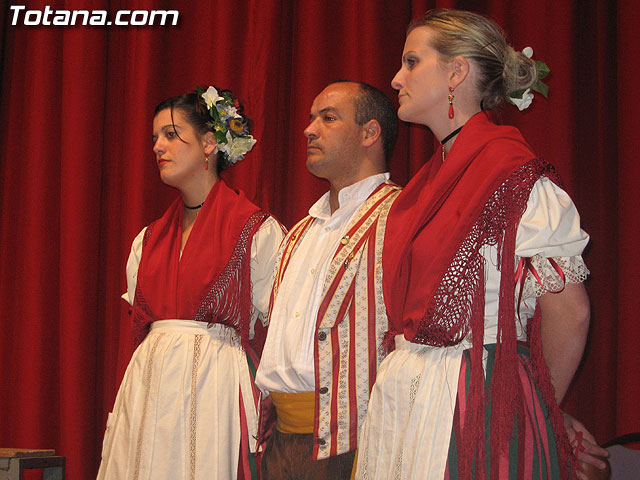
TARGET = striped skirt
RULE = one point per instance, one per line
(532, 450)
(413, 422)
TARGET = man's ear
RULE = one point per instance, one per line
(372, 131)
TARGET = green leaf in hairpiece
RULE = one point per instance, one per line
(543, 69)
(541, 88)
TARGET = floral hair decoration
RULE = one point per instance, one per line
(523, 98)
(229, 126)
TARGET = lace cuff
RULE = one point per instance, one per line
(549, 279)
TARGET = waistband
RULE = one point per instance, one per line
(221, 334)
(193, 327)
(296, 411)
(404, 344)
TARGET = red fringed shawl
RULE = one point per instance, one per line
(211, 282)
(434, 272)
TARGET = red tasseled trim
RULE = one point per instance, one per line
(245, 281)
(497, 225)
(204, 281)
(505, 208)
(568, 461)
(507, 402)
(389, 342)
(228, 300)
(473, 432)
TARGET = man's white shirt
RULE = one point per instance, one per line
(287, 363)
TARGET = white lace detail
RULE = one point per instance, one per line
(413, 389)
(398, 470)
(147, 388)
(363, 472)
(193, 411)
(574, 269)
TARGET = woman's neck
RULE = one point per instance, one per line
(444, 130)
(196, 193)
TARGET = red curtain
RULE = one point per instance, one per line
(78, 180)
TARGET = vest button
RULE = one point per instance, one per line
(322, 336)
(321, 441)
(323, 390)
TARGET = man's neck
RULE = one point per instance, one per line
(335, 189)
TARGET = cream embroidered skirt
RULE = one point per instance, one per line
(408, 426)
(177, 413)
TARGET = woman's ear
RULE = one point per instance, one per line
(209, 143)
(459, 71)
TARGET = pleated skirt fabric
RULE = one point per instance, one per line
(178, 414)
(408, 426)
(413, 424)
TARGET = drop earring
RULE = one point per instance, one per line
(451, 102)
(206, 162)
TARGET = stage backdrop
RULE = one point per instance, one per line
(79, 181)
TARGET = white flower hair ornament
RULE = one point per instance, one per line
(229, 126)
(523, 98)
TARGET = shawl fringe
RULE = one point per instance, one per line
(228, 300)
(457, 309)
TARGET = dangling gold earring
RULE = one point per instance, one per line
(206, 162)
(450, 102)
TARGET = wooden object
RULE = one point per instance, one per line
(13, 461)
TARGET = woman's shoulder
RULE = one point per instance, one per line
(550, 224)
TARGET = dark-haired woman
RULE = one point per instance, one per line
(198, 278)
(482, 275)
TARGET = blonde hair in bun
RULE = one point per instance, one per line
(501, 70)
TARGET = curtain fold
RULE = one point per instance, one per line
(78, 179)
(624, 131)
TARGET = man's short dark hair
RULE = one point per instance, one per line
(372, 104)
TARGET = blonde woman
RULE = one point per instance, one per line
(482, 277)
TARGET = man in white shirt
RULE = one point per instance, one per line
(327, 316)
